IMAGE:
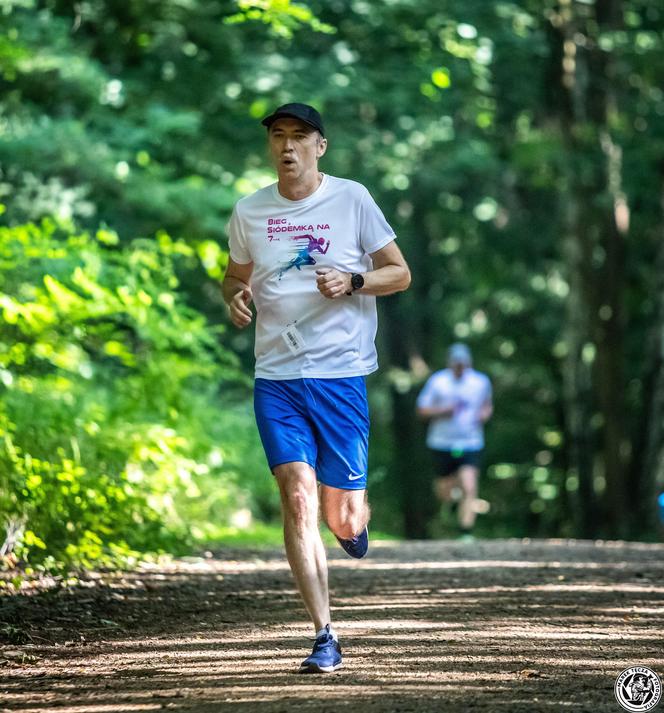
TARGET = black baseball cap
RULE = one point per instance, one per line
(303, 112)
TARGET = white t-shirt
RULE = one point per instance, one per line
(463, 429)
(300, 333)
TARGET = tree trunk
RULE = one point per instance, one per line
(577, 377)
(597, 222)
(648, 467)
(409, 475)
(409, 334)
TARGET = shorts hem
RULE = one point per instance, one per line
(339, 487)
(313, 467)
(474, 449)
(283, 461)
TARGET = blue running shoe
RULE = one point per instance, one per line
(326, 656)
(358, 546)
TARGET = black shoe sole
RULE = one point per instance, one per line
(313, 668)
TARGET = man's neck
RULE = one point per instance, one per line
(300, 188)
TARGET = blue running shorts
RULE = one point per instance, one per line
(322, 422)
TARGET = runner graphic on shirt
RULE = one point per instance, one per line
(304, 252)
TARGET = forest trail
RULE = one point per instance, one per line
(498, 626)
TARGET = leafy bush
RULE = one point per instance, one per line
(123, 419)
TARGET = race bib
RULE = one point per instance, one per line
(293, 339)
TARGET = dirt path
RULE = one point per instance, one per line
(438, 626)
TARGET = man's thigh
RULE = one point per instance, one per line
(284, 427)
(341, 503)
(443, 486)
(468, 476)
(339, 415)
(469, 471)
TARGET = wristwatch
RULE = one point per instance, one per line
(356, 282)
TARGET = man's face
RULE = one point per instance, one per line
(458, 367)
(295, 148)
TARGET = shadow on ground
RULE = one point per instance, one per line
(487, 626)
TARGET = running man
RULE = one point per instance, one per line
(304, 256)
(315, 332)
(458, 402)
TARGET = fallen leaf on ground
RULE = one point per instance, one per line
(19, 656)
(530, 673)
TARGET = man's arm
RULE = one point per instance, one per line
(426, 412)
(390, 275)
(426, 407)
(486, 410)
(236, 289)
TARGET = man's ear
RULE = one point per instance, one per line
(322, 147)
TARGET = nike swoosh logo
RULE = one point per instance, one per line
(355, 477)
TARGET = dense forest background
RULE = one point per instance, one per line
(516, 147)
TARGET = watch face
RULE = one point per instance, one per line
(357, 282)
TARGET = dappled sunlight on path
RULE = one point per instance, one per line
(489, 626)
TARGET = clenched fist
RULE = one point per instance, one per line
(332, 283)
(239, 308)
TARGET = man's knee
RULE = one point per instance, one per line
(468, 494)
(298, 496)
(347, 523)
(299, 504)
(345, 529)
(468, 482)
(442, 487)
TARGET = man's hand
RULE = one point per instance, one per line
(239, 308)
(332, 283)
(436, 412)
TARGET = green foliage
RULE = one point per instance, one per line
(116, 430)
(451, 115)
(282, 16)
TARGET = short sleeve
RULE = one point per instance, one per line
(375, 231)
(488, 389)
(426, 398)
(237, 241)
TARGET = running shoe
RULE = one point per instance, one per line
(358, 546)
(326, 656)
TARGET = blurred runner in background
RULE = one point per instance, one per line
(458, 402)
